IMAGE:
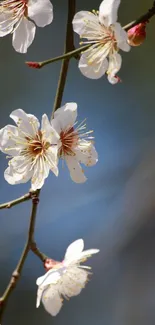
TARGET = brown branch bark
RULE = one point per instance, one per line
(21, 199)
(147, 16)
(69, 46)
(30, 244)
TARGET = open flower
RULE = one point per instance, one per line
(75, 145)
(105, 36)
(14, 19)
(33, 150)
(64, 279)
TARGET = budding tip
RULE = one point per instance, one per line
(35, 65)
(137, 34)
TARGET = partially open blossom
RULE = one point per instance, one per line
(137, 34)
(64, 279)
(14, 19)
(75, 144)
(32, 150)
(105, 36)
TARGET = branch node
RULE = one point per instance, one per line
(35, 196)
(14, 278)
(35, 200)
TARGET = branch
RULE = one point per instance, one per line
(74, 53)
(37, 252)
(150, 13)
(16, 274)
(67, 55)
(21, 199)
(69, 46)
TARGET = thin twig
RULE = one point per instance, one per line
(69, 46)
(74, 53)
(67, 55)
(37, 251)
(16, 274)
(21, 199)
(150, 13)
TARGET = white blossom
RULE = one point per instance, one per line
(105, 36)
(20, 17)
(75, 145)
(64, 279)
(32, 150)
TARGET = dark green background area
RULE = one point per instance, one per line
(115, 209)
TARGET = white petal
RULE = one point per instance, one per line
(23, 35)
(52, 159)
(6, 25)
(64, 117)
(75, 169)
(83, 21)
(74, 249)
(86, 153)
(41, 172)
(88, 253)
(52, 300)
(49, 133)
(115, 62)
(41, 11)
(39, 295)
(74, 281)
(79, 257)
(8, 140)
(52, 276)
(121, 37)
(108, 12)
(18, 171)
(95, 69)
(27, 123)
(33, 120)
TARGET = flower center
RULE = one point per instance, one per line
(17, 8)
(109, 36)
(37, 146)
(69, 139)
(101, 38)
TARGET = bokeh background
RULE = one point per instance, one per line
(115, 209)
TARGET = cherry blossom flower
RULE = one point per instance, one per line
(20, 17)
(104, 36)
(32, 151)
(64, 279)
(75, 145)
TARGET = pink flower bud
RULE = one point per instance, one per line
(35, 65)
(137, 34)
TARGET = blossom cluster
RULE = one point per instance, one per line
(99, 29)
(34, 150)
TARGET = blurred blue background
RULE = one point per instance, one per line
(114, 210)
